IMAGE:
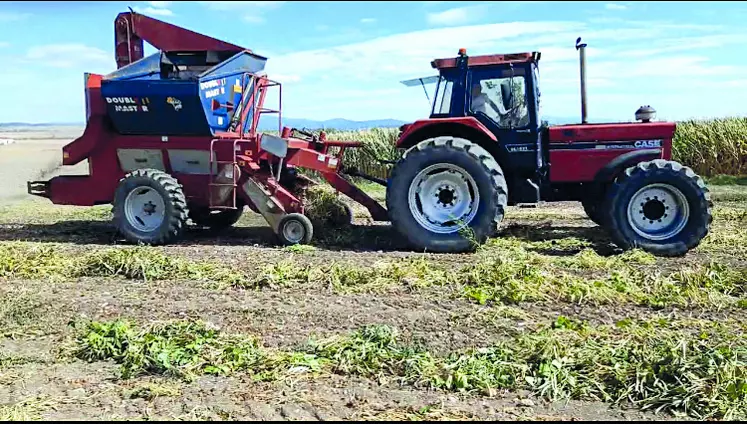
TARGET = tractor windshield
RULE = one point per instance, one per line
(501, 96)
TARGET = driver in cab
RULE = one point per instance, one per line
(482, 103)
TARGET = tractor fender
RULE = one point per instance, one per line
(609, 172)
(620, 163)
(466, 127)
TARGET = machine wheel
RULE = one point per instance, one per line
(593, 207)
(345, 218)
(216, 219)
(348, 215)
(443, 186)
(659, 206)
(295, 228)
(150, 207)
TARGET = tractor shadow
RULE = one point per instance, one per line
(74, 232)
(563, 240)
(352, 238)
(103, 233)
(96, 232)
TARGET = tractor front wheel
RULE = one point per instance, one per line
(150, 207)
(659, 206)
(446, 194)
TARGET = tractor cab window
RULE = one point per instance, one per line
(537, 93)
(442, 101)
(501, 96)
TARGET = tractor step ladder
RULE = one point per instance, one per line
(214, 177)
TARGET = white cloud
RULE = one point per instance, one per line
(285, 79)
(4, 44)
(321, 27)
(688, 44)
(69, 55)
(615, 6)
(379, 64)
(742, 83)
(13, 16)
(154, 11)
(239, 5)
(161, 4)
(252, 11)
(619, 67)
(365, 60)
(368, 20)
(456, 16)
(254, 19)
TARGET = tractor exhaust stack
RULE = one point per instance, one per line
(582, 57)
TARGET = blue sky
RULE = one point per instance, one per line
(345, 60)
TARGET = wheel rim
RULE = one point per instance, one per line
(443, 198)
(658, 211)
(144, 209)
(293, 231)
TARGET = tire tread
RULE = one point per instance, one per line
(397, 210)
(177, 221)
(650, 168)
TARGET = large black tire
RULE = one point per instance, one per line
(165, 187)
(593, 208)
(478, 164)
(217, 219)
(695, 200)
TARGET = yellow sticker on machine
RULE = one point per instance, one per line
(237, 89)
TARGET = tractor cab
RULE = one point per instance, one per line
(501, 93)
(499, 90)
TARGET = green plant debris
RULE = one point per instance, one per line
(324, 208)
(19, 309)
(152, 390)
(33, 260)
(505, 273)
(26, 410)
(694, 366)
(299, 248)
(431, 412)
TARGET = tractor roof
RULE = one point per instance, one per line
(487, 60)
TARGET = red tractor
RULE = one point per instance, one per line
(484, 148)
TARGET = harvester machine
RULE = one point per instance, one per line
(173, 136)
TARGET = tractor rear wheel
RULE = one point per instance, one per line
(659, 206)
(150, 207)
(446, 194)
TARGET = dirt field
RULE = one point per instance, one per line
(548, 321)
(35, 154)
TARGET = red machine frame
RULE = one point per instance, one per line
(99, 142)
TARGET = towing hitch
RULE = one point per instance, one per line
(38, 188)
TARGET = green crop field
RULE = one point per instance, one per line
(548, 320)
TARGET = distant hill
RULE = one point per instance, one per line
(41, 125)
